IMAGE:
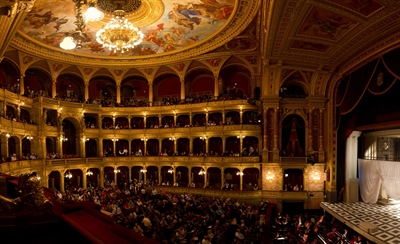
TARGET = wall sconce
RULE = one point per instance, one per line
(114, 139)
(38, 178)
(202, 172)
(68, 175)
(316, 177)
(270, 176)
(144, 139)
(241, 136)
(172, 138)
(89, 173)
(7, 135)
(143, 171)
(203, 137)
(63, 139)
(117, 170)
(171, 170)
(144, 113)
(240, 173)
(29, 138)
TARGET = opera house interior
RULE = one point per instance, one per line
(282, 101)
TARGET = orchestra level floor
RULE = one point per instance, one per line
(385, 217)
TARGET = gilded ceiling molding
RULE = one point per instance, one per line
(245, 13)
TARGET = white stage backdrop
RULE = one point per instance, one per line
(373, 173)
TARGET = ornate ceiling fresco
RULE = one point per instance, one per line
(328, 34)
(167, 25)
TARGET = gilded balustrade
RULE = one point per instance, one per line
(23, 166)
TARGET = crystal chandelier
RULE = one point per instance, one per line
(119, 34)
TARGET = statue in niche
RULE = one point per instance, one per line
(293, 136)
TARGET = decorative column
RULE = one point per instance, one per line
(175, 141)
(144, 120)
(82, 141)
(207, 139)
(22, 84)
(241, 115)
(115, 175)
(129, 121)
(216, 87)
(189, 175)
(205, 176)
(84, 178)
(145, 146)
(351, 191)
(183, 90)
(114, 146)
(129, 148)
(159, 120)
(151, 94)
(118, 93)
(190, 118)
(54, 88)
(59, 145)
(40, 146)
(207, 113)
(223, 116)
(175, 117)
(160, 146)
(62, 180)
(191, 144)
(241, 179)
(100, 147)
(86, 92)
(113, 118)
(144, 174)
(223, 144)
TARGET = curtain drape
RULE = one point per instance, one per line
(373, 173)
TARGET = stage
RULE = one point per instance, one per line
(385, 217)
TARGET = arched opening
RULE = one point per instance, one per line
(92, 177)
(108, 148)
(232, 118)
(232, 146)
(137, 147)
(91, 121)
(153, 147)
(182, 121)
(152, 175)
(215, 119)
(251, 179)
(26, 149)
(73, 178)
(122, 147)
(107, 123)
(232, 179)
(122, 177)
(70, 139)
(91, 148)
(215, 146)
(109, 176)
(166, 176)
(167, 121)
(293, 180)
(137, 123)
(183, 146)
(121, 123)
(54, 180)
(199, 120)
(182, 176)
(12, 149)
(51, 147)
(199, 146)
(168, 146)
(250, 146)
(198, 177)
(152, 122)
(214, 178)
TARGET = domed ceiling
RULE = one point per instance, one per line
(168, 26)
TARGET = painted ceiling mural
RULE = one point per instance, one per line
(180, 24)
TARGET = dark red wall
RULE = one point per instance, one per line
(169, 87)
(202, 85)
(242, 81)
